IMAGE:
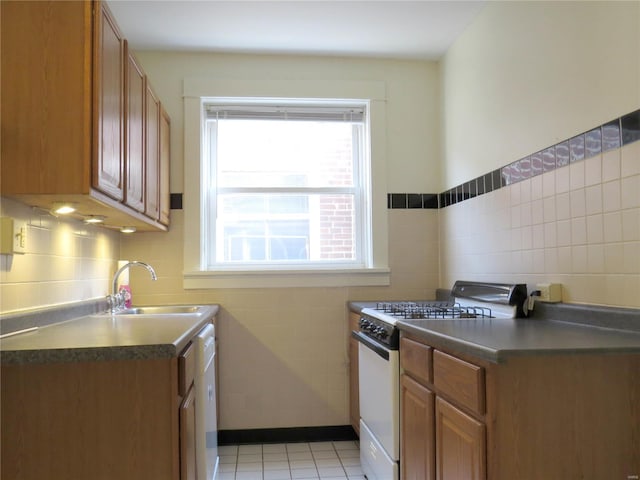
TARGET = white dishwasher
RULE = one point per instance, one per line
(205, 385)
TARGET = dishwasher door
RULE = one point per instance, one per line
(205, 385)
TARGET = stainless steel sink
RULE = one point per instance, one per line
(162, 310)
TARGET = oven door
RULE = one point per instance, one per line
(379, 380)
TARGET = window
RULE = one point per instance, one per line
(286, 183)
(257, 230)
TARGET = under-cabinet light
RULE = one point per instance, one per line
(95, 219)
(63, 208)
(127, 229)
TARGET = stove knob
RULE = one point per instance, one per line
(383, 333)
(371, 327)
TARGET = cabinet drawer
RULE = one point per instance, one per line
(415, 358)
(186, 369)
(463, 382)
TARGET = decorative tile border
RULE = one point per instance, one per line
(175, 201)
(609, 136)
(412, 200)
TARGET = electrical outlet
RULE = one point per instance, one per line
(550, 292)
(20, 237)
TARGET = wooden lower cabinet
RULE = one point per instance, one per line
(417, 457)
(186, 388)
(354, 384)
(99, 420)
(529, 417)
(188, 437)
(460, 444)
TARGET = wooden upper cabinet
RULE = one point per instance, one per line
(165, 156)
(135, 139)
(108, 173)
(152, 206)
(73, 115)
(46, 97)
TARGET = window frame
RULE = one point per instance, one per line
(375, 272)
(360, 189)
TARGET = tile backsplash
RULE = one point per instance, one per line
(66, 261)
(577, 224)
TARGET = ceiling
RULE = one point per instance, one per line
(422, 29)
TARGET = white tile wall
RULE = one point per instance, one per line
(66, 261)
(578, 225)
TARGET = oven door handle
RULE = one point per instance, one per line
(371, 344)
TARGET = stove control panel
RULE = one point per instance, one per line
(380, 331)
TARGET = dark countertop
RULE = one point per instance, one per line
(99, 337)
(555, 332)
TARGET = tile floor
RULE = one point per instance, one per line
(285, 461)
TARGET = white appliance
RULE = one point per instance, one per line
(379, 361)
(379, 410)
(206, 424)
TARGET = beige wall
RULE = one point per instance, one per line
(522, 77)
(65, 261)
(283, 352)
(526, 75)
(412, 107)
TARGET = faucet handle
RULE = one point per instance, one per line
(111, 301)
(116, 301)
(123, 295)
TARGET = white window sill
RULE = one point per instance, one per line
(286, 278)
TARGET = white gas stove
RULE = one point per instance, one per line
(379, 363)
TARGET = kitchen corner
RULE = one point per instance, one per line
(509, 154)
(114, 382)
(519, 393)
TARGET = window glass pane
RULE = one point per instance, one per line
(285, 228)
(276, 153)
(259, 205)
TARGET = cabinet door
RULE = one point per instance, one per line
(188, 437)
(354, 372)
(108, 172)
(460, 444)
(135, 95)
(152, 206)
(417, 427)
(165, 161)
(47, 127)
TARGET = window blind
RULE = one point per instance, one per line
(322, 113)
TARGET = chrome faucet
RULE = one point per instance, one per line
(117, 298)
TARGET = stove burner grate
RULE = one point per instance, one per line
(434, 310)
